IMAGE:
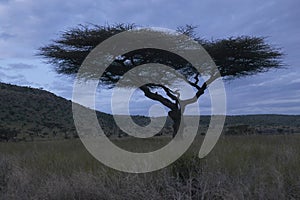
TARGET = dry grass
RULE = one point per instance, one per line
(240, 167)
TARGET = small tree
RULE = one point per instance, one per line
(234, 57)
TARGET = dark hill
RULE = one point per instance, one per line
(30, 113)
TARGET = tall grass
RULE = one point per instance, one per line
(239, 167)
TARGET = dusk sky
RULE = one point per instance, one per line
(26, 25)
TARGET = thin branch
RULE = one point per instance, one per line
(157, 97)
(200, 91)
(196, 82)
(167, 90)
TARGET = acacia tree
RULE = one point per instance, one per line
(234, 57)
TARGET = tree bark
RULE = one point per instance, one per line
(175, 115)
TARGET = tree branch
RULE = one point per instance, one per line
(196, 82)
(200, 91)
(166, 89)
(157, 97)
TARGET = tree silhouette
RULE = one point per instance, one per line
(234, 57)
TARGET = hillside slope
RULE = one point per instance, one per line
(29, 113)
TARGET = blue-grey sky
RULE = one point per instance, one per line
(26, 25)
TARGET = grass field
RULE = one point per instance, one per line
(239, 167)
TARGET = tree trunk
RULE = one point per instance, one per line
(175, 115)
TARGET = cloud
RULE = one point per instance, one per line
(266, 93)
(17, 79)
(10, 77)
(4, 1)
(18, 66)
(27, 25)
(5, 36)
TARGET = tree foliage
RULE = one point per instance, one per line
(234, 57)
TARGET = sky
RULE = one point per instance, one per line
(26, 25)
